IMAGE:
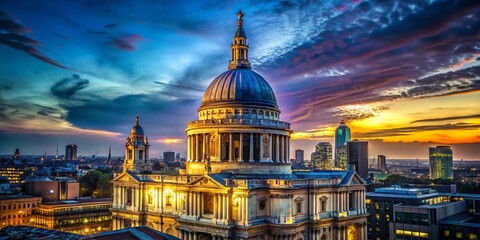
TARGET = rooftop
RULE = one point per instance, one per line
(17, 196)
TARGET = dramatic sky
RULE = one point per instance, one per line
(404, 74)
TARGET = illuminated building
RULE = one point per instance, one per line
(62, 188)
(342, 136)
(17, 209)
(238, 182)
(380, 205)
(299, 156)
(382, 163)
(82, 216)
(322, 157)
(71, 152)
(15, 173)
(422, 213)
(441, 162)
(357, 155)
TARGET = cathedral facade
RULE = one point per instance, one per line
(238, 182)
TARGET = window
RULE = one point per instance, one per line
(140, 154)
(299, 207)
(324, 206)
(150, 198)
(168, 199)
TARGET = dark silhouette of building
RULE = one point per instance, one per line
(169, 157)
(382, 163)
(299, 156)
(17, 154)
(357, 155)
(71, 152)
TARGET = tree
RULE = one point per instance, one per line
(96, 184)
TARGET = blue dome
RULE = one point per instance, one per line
(137, 130)
(239, 86)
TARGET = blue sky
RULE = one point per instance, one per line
(79, 71)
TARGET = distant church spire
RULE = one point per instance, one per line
(239, 47)
(109, 153)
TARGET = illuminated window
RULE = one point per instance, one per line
(168, 199)
(458, 235)
(473, 236)
(446, 233)
(150, 198)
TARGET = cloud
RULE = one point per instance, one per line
(411, 130)
(68, 87)
(447, 118)
(127, 42)
(12, 35)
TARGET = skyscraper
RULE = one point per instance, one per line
(357, 155)
(169, 157)
(322, 157)
(71, 152)
(299, 156)
(441, 162)
(382, 163)
(342, 136)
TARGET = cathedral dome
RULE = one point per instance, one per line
(239, 86)
(136, 129)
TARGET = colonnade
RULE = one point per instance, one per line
(120, 223)
(238, 146)
(243, 216)
(355, 231)
(123, 198)
(340, 202)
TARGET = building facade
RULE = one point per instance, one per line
(81, 216)
(357, 155)
(71, 152)
(17, 209)
(382, 163)
(238, 182)
(342, 136)
(441, 162)
(299, 156)
(322, 157)
(169, 157)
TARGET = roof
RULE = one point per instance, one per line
(25, 232)
(240, 87)
(132, 233)
(17, 196)
(79, 201)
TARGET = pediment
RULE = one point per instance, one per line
(206, 182)
(356, 180)
(125, 177)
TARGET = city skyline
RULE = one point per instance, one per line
(403, 75)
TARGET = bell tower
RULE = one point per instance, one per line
(136, 151)
(239, 47)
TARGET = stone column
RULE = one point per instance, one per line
(219, 147)
(251, 147)
(270, 150)
(224, 209)
(282, 148)
(261, 148)
(240, 208)
(285, 146)
(246, 210)
(227, 201)
(240, 149)
(277, 148)
(288, 148)
(230, 147)
(188, 149)
(205, 145)
(197, 146)
(215, 206)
